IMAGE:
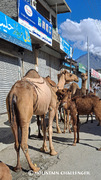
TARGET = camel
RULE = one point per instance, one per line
(76, 91)
(61, 82)
(61, 93)
(81, 105)
(5, 172)
(64, 77)
(30, 96)
(39, 122)
(83, 89)
(90, 93)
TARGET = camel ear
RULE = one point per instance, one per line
(64, 72)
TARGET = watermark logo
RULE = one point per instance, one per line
(60, 173)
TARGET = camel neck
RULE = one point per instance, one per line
(83, 83)
(61, 82)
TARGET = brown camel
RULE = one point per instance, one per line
(82, 91)
(39, 122)
(5, 172)
(83, 105)
(61, 93)
(61, 82)
(90, 93)
(76, 91)
(63, 78)
(28, 96)
(73, 87)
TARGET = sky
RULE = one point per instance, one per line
(83, 22)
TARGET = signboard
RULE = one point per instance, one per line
(95, 74)
(65, 46)
(35, 22)
(82, 68)
(13, 32)
(67, 64)
(28, 1)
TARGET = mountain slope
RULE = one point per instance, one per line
(95, 60)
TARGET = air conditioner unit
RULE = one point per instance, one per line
(34, 4)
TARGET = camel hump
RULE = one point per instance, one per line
(39, 80)
(52, 83)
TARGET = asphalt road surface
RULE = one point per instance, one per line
(80, 162)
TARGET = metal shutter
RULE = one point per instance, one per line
(9, 74)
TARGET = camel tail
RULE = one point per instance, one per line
(11, 107)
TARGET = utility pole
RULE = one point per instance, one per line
(88, 85)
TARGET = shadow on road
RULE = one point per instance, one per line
(6, 135)
(91, 128)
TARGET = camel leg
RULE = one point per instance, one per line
(74, 116)
(64, 121)
(92, 117)
(60, 112)
(78, 127)
(67, 122)
(44, 147)
(51, 117)
(57, 125)
(15, 130)
(24, 146)
(39, 127)
(87, 118)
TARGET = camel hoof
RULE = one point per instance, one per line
(59, 132)
(63, 132)
(53, 153)
(17, 168)
(40, 136)
(35, 168)
(43, 149)
(98, 149)
(74, 144)
(70, 131)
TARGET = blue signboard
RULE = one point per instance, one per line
(67, 64)
(13, 32)
(35, 22)
(28, 1)
(65, 46)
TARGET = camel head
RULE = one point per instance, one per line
(66, 101)
(84, 76)
(69, 77)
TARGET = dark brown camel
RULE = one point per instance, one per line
(5, 172)
(83, 105)
(90, 93)
(61, 93)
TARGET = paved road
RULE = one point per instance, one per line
(82, 162)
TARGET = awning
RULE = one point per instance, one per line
(13, 32)
(59, 6)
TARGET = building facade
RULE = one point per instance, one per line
(15, 59)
